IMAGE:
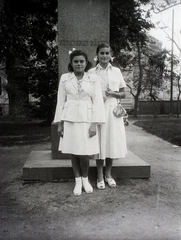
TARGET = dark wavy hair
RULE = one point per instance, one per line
(79, 53)
(102, 45)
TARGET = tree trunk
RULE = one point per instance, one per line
(178, 104)
(139, 81)
(13, 111)
(17, 97)
(11, 90)
(135, 114)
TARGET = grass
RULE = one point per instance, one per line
(169, 129)
(12, 134)
(23, 133)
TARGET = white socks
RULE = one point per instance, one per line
(78, 186)
(87, 187)
(79, 182)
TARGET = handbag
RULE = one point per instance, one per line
(119, 111)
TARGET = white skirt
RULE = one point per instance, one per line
(112, 134)
(76, 140)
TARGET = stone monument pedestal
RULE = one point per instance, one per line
(54, 166)
(40, 167)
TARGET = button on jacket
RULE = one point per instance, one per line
(84, 105)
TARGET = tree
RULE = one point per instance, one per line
(128, 24)
(164, 5)
(158, 8)
(44, 84)
(178, 85)
(129, 31)
(28, 34)
(26, 29)
(176, 72)
(154, 77)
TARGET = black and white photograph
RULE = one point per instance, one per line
(90, 120)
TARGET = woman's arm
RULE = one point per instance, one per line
(116, 94)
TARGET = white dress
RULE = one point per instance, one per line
(78, 108)
(112, 134)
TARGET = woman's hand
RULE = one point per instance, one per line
(92, 130)
(109, 92)
(60, 129)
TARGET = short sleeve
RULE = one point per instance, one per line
(122, 83)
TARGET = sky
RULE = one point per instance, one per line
(163, 19)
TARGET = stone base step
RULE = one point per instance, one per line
(40, 167)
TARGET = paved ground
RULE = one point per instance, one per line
(136, 210)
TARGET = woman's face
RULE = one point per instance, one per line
(104, 56)
(79, 64)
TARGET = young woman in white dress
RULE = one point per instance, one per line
(112, 134)
(80, 108)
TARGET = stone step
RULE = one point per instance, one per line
(40, 167)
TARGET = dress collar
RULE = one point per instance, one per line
(85, 76)
(98, 67)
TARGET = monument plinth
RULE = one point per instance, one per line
(83, 25)
(40, 167)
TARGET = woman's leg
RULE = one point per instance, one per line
(84, 164)
(108, 177)
(109, 162)
(76, 165)
(100, 164)
(77, 173)
(100, 177)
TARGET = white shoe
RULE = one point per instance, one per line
(101, 185)
(110, 182)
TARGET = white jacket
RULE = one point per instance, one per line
(84, 106)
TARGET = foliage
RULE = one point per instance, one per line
(174, 74)
(164, 5)
(161, 7)
(21, 22)
(128, 24)
(154, 75)
(147, 68)
(26, 29)
(43, 85)
(28, 39)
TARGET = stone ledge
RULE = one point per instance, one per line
(40, 167)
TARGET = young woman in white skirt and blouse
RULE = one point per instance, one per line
(80, 108)
(112, 134)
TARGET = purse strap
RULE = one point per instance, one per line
(118, 101)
